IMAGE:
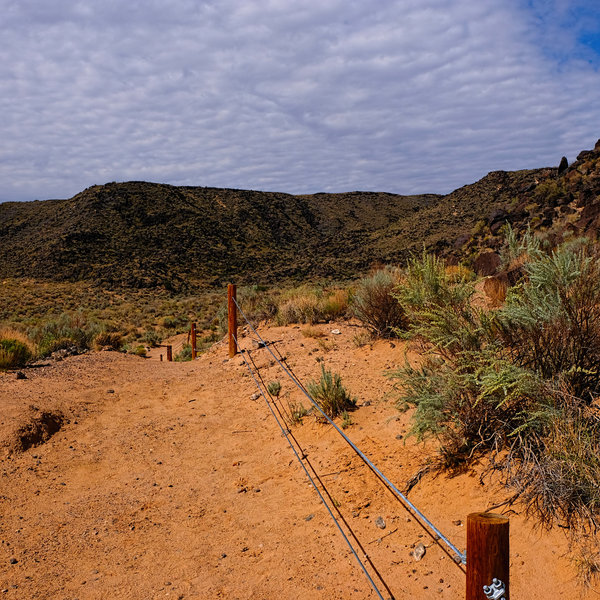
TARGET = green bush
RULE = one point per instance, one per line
(13, 353)
(330, 394)
(375, 305)
(520, 382)
(75, 329)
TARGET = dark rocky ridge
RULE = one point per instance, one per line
(139, 234)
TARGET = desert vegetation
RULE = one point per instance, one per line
(517, 384)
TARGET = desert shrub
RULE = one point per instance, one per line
(558, 475)
(139, 351)
(184, 355)
(151, 338)
(375, 305)
(335, 304)
(297, 412)
(274, 388)
(330, 394)
(13, 353)
(108, 339)
(312, 332)
(302, 307)
(76, 329)
(171, 322)
(520, 382)
(438, 308)
(551, 323)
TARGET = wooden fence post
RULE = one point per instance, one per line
(487, 557)
(232, 319)
(170, 353)
(193, 341)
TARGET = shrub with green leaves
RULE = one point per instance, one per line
(330, 394)
(521, 381)
(375, 305)
(13, 353)
(70, 329)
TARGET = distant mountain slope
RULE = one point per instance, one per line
(139, 234)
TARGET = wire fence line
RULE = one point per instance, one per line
(301, 457)
(433, 531)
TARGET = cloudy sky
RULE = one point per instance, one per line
(298, 96)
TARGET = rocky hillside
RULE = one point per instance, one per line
(138, 234)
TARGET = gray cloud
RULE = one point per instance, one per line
(401, 96)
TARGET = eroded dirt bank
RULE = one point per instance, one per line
(165, 480)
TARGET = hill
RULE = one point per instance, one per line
(145, 235)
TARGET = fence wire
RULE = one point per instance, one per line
(434, 532)
(287, 434)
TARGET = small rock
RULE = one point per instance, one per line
(309, 518)
(255, 396)
(366, 403)
(380, 522)
(110, 391)
(13, 561)
(419, 552)
(399, 436)
(21, 375)
(458, 522)
(336, 332)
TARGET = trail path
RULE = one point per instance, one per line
(168, 481)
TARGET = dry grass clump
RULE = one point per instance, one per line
(312, 332)
(16, 349)
(312, 305)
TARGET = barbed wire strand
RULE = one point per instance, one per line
(286, 434)
(460, 556)
(275, 402)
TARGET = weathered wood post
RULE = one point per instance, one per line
(487, 557)
(193, 341)
(169, 353)
(232, 319)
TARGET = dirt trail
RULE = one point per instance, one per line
(167, 481)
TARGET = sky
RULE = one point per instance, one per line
(297, 96)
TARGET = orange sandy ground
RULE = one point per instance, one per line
(176, 484)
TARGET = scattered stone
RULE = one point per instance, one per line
(380, 522)
(419, 552)
(110, 391)
(223, 555)
(309, 518)
(13, 561)
(336, 332)
(458, 522)
(399, 436)
(255, 396)
(21, 375)
(487, 263)
(366, 403)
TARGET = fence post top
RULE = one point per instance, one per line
(487, 518)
